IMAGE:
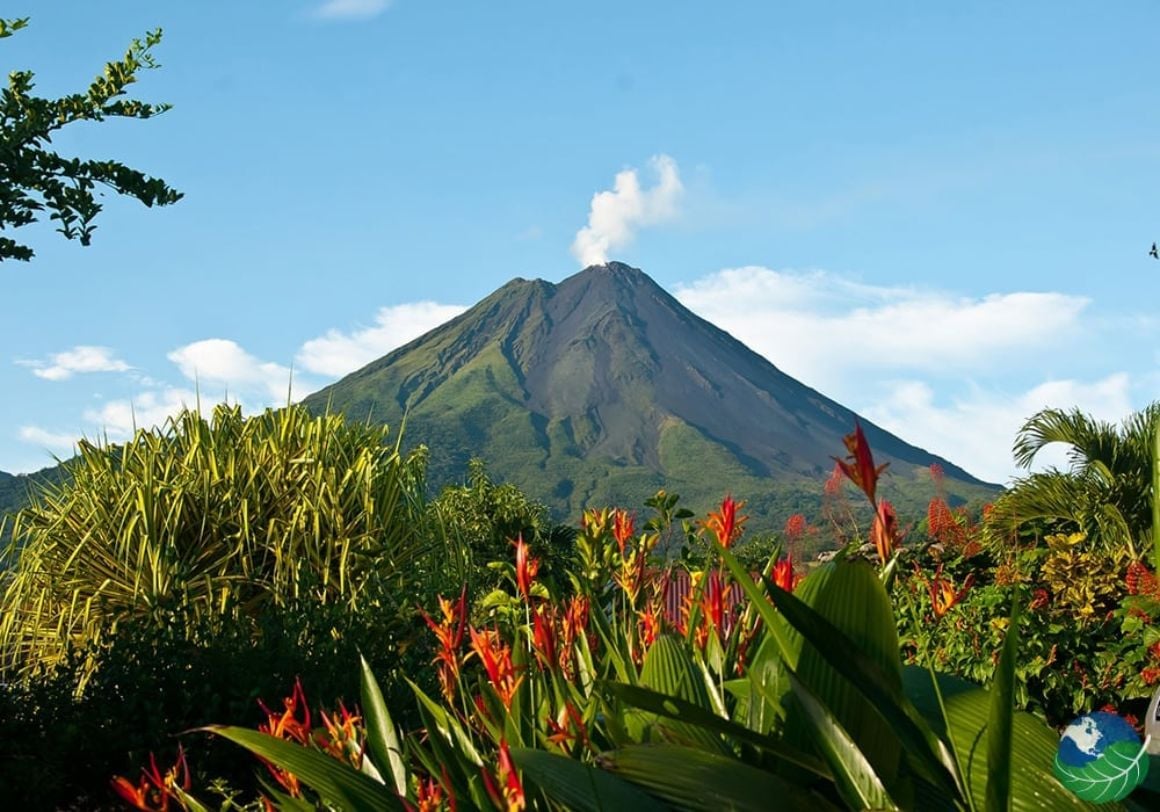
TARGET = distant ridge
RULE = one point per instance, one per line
(603, 388)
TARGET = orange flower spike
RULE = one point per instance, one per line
(726, 524)
(622, 528)
(508, 794)
(650, 626)
(544, 637)
(884, 532)
(288, 725)
(497, 662)
(943, 596)
(783, 574)
(140, 796)
(526, 568)
(860, 469)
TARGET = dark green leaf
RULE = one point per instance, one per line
(582, 787)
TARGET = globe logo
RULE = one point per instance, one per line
(1100, 758)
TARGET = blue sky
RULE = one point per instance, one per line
(937, 215)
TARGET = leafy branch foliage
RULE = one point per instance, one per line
(35, 179)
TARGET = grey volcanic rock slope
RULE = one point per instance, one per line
(603, 388)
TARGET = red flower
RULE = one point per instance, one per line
(943, 596)
(449, 632)
(783, 574)
(293, 724)
(795, 526)
(526, 568)
(1139, 579)
(650, 626)
(622, 528)
(497, 662)
(153, 792)
(860, 469)
(726, 524)
(936, 474)
(884, 533)
(342, 739)
(1150, 675)
(567, 727)
(1040, 599)
(833, 484)
(505, 790)
(544, 636)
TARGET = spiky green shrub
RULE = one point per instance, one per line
(226, 515)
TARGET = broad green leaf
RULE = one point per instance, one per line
(338, 783)
(680, 710)
(699, 780)
(1033, 744)
(998, 794)
(386, 750)
(849, 595)
(582, 787)
(926, 753)
(856, 780)
(669, 670)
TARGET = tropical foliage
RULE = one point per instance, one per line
(216, 517)
(34, 179)
(1106, 493)
(596, 694)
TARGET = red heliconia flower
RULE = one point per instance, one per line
(544, 637)
(725, 523)
(497, 662)
(526, 568)
(567, 727)
(342, 737)
(713, 603)
(884, 532)
(505, 790)
(293, 724)
(154, 790)
(943, 596)
(622, 528)
(650, 626)
(631, 576)
(428, 798)
(860, 469)
(783, 574)
(575, 620)
(449, 632)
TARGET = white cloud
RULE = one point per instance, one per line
(338, 353)
(80, 359)
(118, 419)
(352, 9)
(615, 216)
(57, 441)
(223, 362)
(976, 430)
(820, 327)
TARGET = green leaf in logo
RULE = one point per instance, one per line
(1119, 769)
